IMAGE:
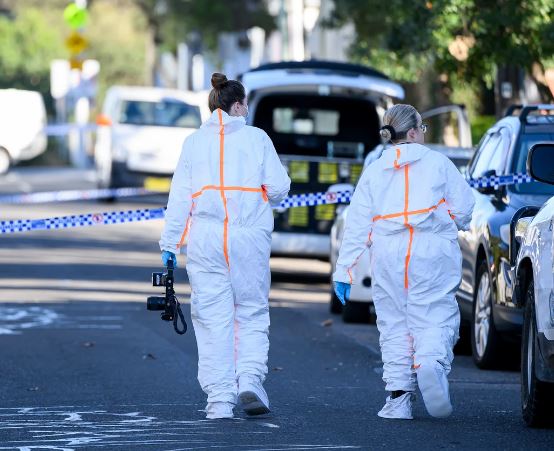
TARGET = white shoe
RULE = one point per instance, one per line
(218, 410)
(398, 408)
(252, 396)
(433, 384)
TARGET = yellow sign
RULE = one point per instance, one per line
(76, 43)
(324, 212)
(328, 173)
(299, 171)
(75, 63)
(298, 217)
(157, 184)
(355, 172)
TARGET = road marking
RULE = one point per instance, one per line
(15, 320)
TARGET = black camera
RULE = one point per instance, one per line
(168, 304)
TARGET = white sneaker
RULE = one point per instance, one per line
(433, 384)
(252, 396)
(398, 408)
(217, 410)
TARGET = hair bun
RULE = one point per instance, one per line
(219, 80)
(387, 132)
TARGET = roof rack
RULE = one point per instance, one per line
(319, 65)
(510, 110)
(527, 109)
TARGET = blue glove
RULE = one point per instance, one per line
(166, 256)
(342, 290)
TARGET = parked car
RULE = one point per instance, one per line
(22, 126)
(323, 118)
(140, 134)
(360, 307)
(533, 272)
(485, 294)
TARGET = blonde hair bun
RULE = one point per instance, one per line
(387, 133)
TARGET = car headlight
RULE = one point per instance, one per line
(521, 228)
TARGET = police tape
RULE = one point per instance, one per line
(72, 195)
(495, 181)
(93, 194)
(121, 217)
(146, 214)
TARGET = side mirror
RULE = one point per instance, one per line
(540, 162)
(488, 189)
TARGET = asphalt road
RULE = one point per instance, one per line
(84, 366)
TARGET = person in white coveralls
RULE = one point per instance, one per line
(220, 205)
(407, 208)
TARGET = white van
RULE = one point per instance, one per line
(22, 126)
(323, 118)
(141, 132)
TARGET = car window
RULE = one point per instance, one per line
(520, 163)
(492, 154)
(306, 121)
(165, 113)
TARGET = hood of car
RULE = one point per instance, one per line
(150, 149)
(518, 200)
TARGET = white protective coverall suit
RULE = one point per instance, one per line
(227, 179)
(408, 207)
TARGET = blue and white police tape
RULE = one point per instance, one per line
(75, 195)
(72, 195)
(495, 181)
(121, 217)
(86, 220)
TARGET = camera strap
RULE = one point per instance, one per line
(178, 314)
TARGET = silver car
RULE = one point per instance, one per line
(532, 247)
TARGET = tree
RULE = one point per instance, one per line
(465, 40)
(27, 45)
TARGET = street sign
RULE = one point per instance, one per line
(75, 16)
(75, 63)
(76, 43)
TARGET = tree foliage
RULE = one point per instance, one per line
(464, 39)
(27, 45)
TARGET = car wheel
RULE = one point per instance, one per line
(537, 397)
(356, 312)
(335, 305)
(5, 161)
(485, 341)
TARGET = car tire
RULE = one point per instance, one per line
(335, 305)
(485, 340)
(537, 397)
(5, 161)
(356, 312)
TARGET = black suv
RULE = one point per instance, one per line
(485, 294)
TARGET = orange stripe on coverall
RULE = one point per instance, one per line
(230, 188)
(406, 223)
(222, 184)
(184, 235)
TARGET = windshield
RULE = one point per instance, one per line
(520, 163)
(165, 113)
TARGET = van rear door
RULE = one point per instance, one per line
(323, 119)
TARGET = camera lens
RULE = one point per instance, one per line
(155, 303)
